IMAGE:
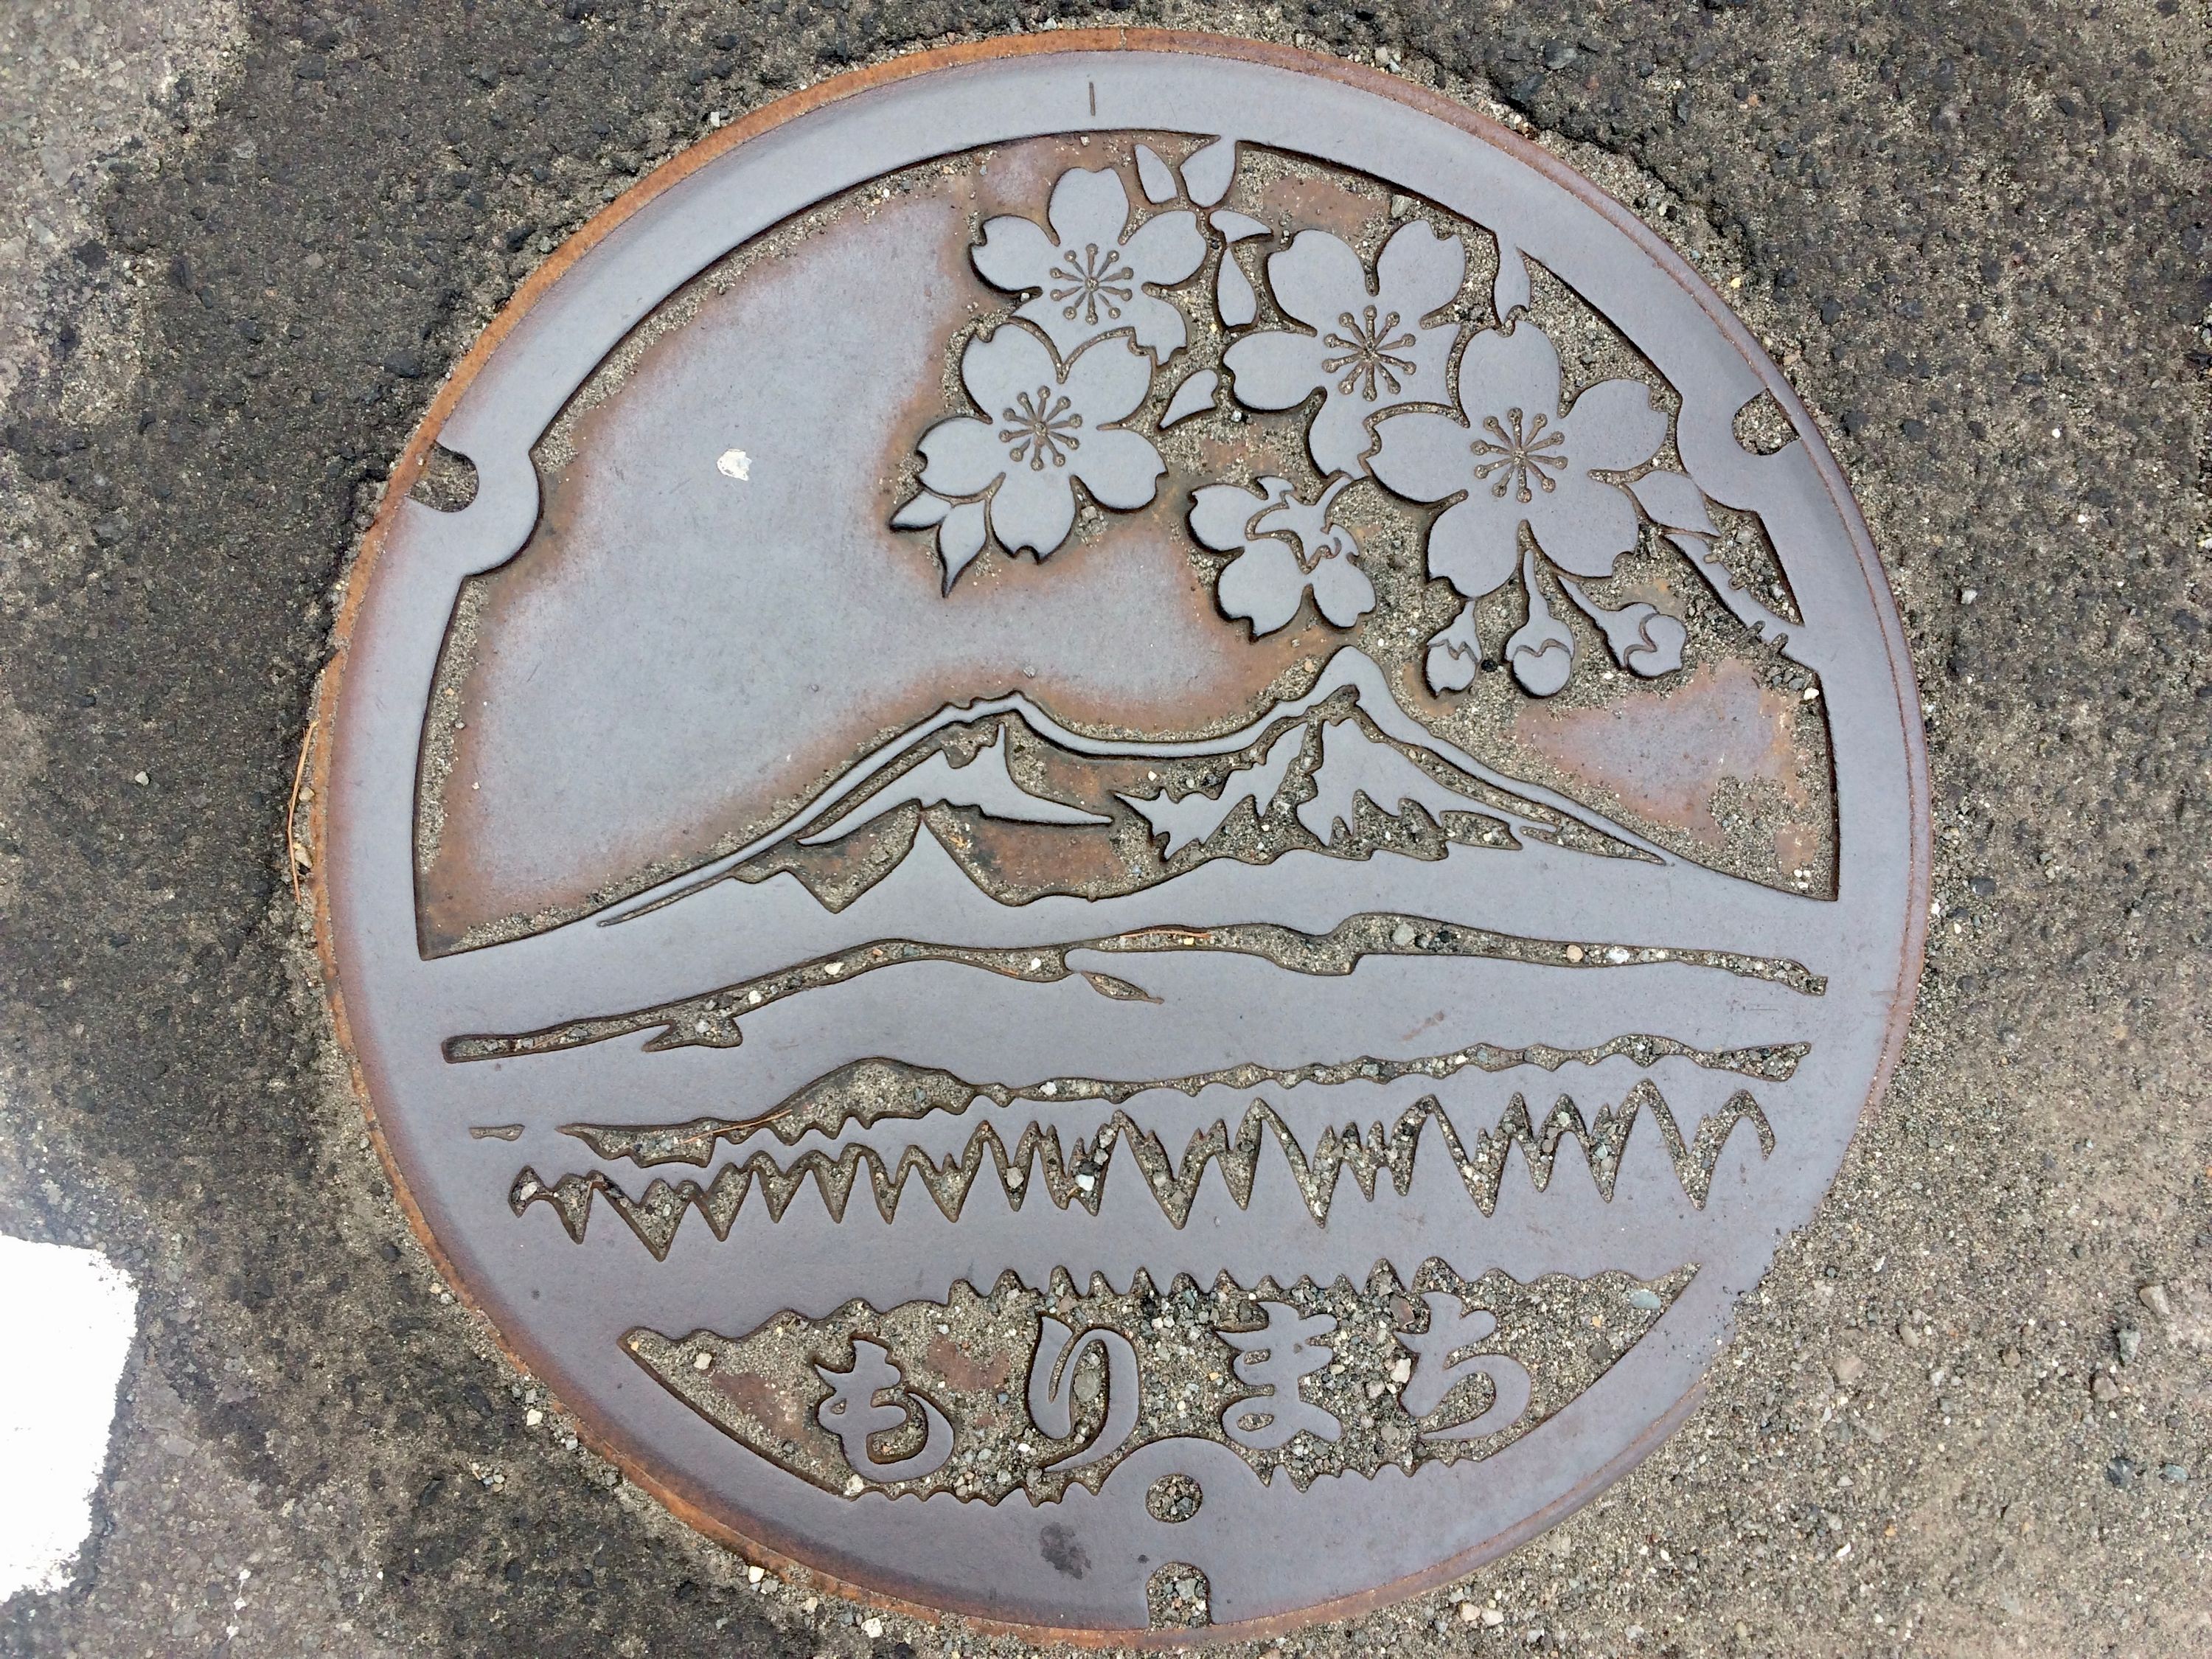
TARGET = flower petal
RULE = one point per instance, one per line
(1067, 334)
(1222, 512)
(1106, 380)
(1342, 592)
(1673, 500)
(1274, 369)
(1119, 468)
(1339, 434)
(1089, 207)
(959, 540)
(1317, 279)
(1218, 514)
(1542, 655)
(1014, 254)
(1583, 525)
(1499, 371)
(1424, 458)
(998, 367)
(1206, 173)
(1542, 649)
(1419, 271)
(1199, 394)
(1159, 324)
(1263, 585)
(920, 511)
(1152, 174)
(1474, 544)
(1613, 425)
(1455, 654)
(961, 457)
(1425, 380)
(1033, 508)
(1166, 248)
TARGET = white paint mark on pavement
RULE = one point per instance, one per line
(69, 1315)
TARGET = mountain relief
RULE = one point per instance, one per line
(1027, 808)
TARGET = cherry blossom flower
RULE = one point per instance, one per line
(1090, 272)
(1371, 350)
(1284, 549)
(1045, 427)
(1517, 458)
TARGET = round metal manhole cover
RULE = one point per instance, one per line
(1118, 821)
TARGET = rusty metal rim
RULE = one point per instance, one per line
(1911, 953)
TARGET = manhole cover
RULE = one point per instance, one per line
(1118, 823)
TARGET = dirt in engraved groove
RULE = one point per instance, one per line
(712, 1021)
(1077, 1175)
(870, 1091)
(1434, 1368)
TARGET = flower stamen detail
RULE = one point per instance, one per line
(1522, 455)
(1098, 280)
(1367, 354)
(1040, 428)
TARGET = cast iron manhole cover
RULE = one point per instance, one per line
(1154, 813)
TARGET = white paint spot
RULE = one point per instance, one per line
(72, 1313)
(734, 463)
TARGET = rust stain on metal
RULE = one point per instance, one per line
(1020, 858)
(753, 1395)
(971, 1373)
(1666, 759)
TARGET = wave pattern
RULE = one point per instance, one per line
(711, 1020)
(870, 1091)
(1078, 1175)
